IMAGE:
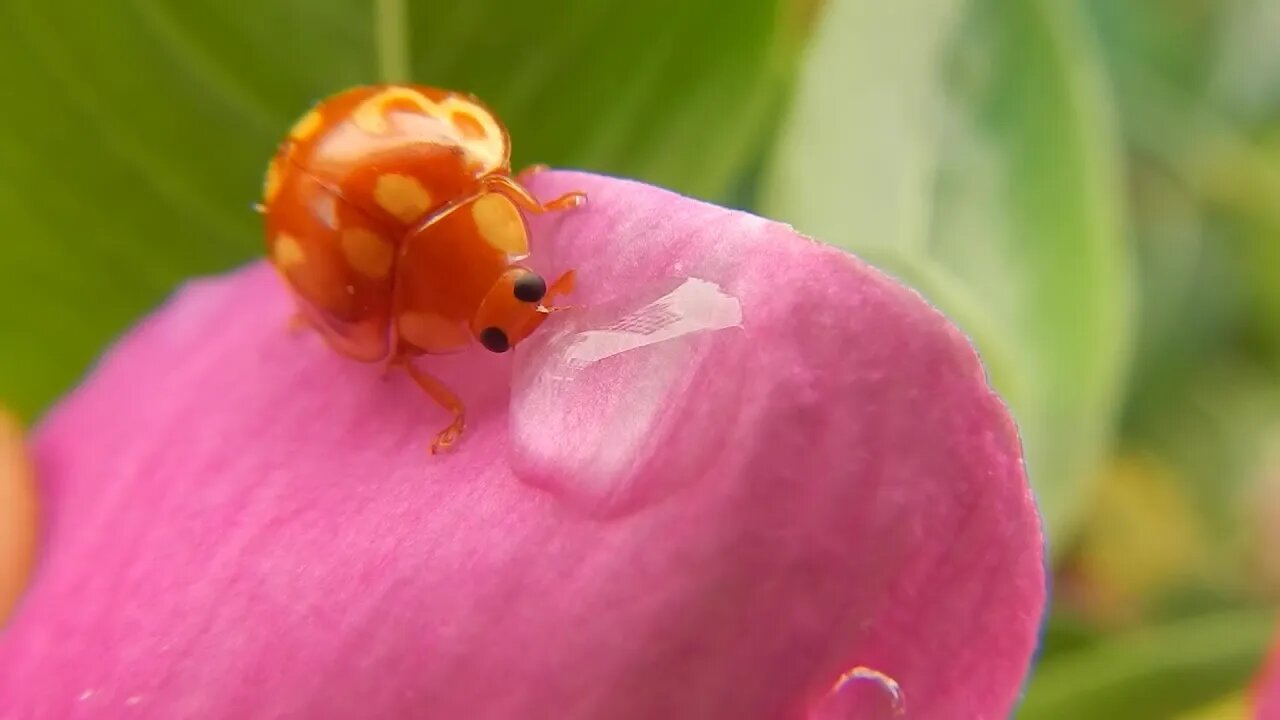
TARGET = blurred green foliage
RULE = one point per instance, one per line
(1197, 86)
(1151, 674)
(1091, 188)
(968, 148)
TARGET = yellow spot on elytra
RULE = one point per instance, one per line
(473, 127)
(478, 131)
(371, 115)
(402, 196)
(500, 224)
(307, 126)
(271, 184)
(288, 252)
(324, 207)
(369, 254)
(468, 125)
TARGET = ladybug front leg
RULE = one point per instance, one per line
(563, 285)
(297, 323)
(444, 397)
(516, 193)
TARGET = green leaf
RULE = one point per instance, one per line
(671, 91)
(1152, 673)
(1246, 74)
(1200, 97)
(968, 148)
(1217, 427)
(137, 131)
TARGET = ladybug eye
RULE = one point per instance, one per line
(494, 340)
(530, 287)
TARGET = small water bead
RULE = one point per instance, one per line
(862, 694)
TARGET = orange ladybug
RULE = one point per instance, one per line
(392, 216)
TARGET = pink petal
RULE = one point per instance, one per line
(1267, 687)
(241, 524)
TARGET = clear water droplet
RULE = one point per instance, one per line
(618, 405)
(862, 694)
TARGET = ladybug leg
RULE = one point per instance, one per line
(563, 285)
(444, 397)
(516, 193)
(391, 364)
(297, 323)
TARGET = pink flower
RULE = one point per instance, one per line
(1267, 687)
(803, 471)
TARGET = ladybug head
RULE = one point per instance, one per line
(513, 308)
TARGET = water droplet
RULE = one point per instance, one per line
(862, 694)
(618, 405)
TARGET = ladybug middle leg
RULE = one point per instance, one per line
(297, 323)
(443, 396)
(516, 193)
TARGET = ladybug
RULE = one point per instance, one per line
(393, 218)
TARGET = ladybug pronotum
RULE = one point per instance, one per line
(392, 216)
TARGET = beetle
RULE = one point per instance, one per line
(392, 215)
